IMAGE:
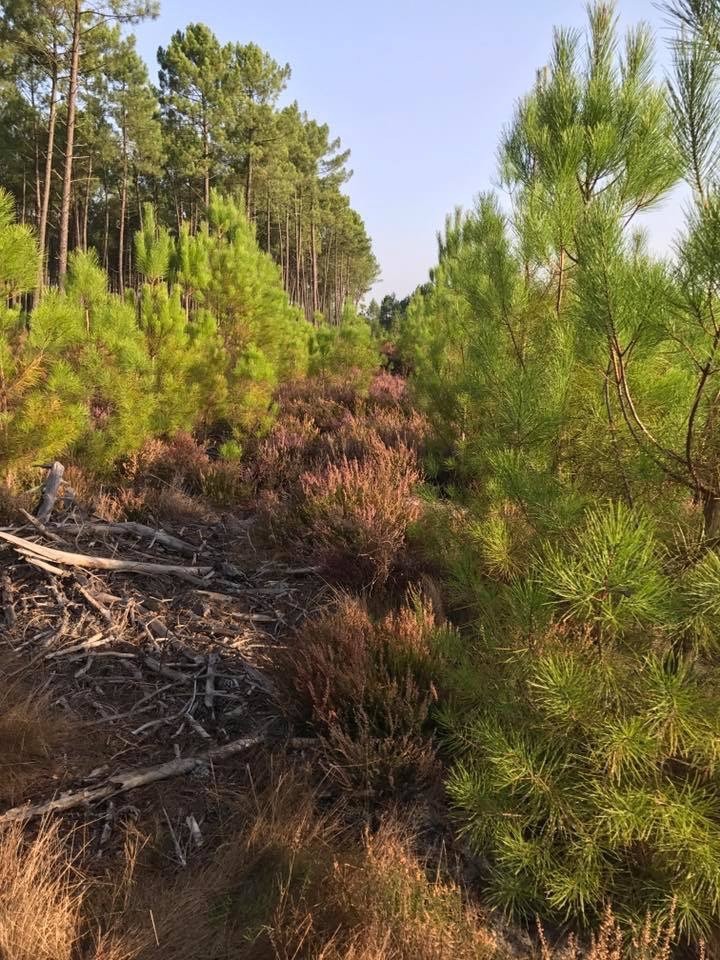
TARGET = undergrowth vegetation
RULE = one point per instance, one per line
(365, 685)
(340, 471)
(200, 346)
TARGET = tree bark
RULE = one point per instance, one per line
(86, 213)
(249, 184)
(67, 176)
(711, 516)
(123, 208)
(47, 186)
(315, 289)
(206, 156)
(106, 238)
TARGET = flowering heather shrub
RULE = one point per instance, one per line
(326, 401)
(357, 513)
(396, 427)
(338, 471)
(367, 688)
(285, 454)
(388, 390)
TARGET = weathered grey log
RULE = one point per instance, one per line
(28, 548)
(143, 532)
(50, 492)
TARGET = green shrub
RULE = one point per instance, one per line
(587, 753)
(92, 376)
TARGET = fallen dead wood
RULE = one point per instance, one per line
(143, 532)
(97, 641)
(210, 681)
(34, 550)
(42, 565)
(40, 526)
(50, 492)
(132, 780)
(95, 603)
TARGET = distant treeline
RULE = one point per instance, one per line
(86, 140)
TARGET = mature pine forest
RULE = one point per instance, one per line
(424, 646)
(88, 138)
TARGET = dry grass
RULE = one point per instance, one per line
(40, 897)
(31, 735)
(614, 942)
(45, 901)
(289, 884)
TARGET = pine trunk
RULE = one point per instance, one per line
(315, 288)
(86, 212)
(206, 156)
(123, 209)
(249, 186)
(121, 233)
(47, 186)
(67, 176)
(711, 516)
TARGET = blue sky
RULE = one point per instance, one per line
(419, 91)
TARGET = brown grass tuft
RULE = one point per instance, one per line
(31, 734)
(291, 883)
(40, 897)
(613, 941)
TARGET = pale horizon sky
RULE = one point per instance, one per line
(418, 91)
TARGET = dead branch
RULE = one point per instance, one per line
(42, 565)
(95, 604)
(152, 664)
(97, 641)
(8, 601)
(210, 681)
(34, 550)
(132, 780)
(41, 528)
(143, 532)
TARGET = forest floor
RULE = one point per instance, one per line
(140, 668)
(161, 795)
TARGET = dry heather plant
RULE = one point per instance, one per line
(388, 390)
(181, 462)
(339, 471)
(325, 400)
(12, 499)
(285, 454)
(367, 688)
(357, 513)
